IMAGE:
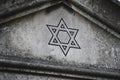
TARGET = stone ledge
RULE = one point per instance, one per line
(34, 67)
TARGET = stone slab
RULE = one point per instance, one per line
(31, 37)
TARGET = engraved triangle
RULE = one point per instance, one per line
(54, 30)
(72, 43)
(72, 33)
(64, 47)
(55, 40)
(62, 26)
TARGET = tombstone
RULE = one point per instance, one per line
(59, 40)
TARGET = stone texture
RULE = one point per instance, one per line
(29, 37)
(14, 76)
(26, 39)
(61, 37)
(104, 10)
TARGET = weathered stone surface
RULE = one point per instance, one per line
(14, 76)
(79, 45)
(105, 10)
(12, 9)
(29, 37)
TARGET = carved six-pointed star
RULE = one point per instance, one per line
(63, 36)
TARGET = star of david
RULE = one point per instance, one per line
(63, 36)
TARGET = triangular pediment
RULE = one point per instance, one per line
(71, 4)
(60, 36)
